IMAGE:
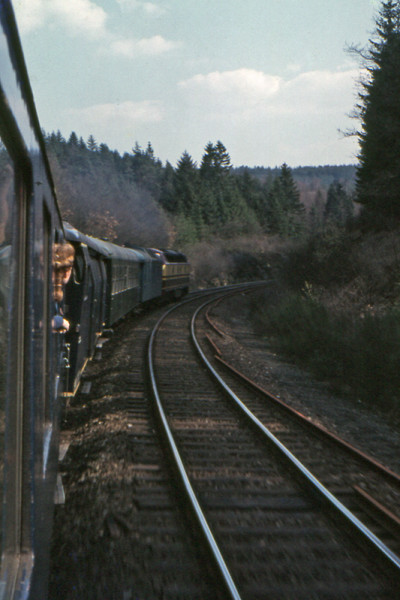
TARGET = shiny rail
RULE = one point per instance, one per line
(184, 479)
(353, 524)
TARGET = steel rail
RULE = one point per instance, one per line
(185, 481)
(391, 559)
(314, 427)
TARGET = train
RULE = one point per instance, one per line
(59, 289)
(107, 282)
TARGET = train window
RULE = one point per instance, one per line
(6, 206)
(78, 269)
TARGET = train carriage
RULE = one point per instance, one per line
(30, 352)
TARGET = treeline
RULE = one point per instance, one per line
(321, 176)
(107, 195)
(134, 198)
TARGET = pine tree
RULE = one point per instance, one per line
(73, 139)
(216, 161)
(186, 185)
(378, 174)
(252, 192)
(92, 144)
(285, 212)
(167, 195)
(145, 169)
(339, 206)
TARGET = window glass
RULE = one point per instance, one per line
(6, 201)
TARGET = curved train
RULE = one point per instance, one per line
(106, 283)
(43, 291)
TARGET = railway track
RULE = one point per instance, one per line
(136, 537)
(217, 454)
(363, 483)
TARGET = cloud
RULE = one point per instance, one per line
(120, 115)
(147, 46)
(76, 15)
(247, 93)
(150, 8)
(271, 116)
(85, 17)
(316, 92)
(242, 86)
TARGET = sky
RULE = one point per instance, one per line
(271, 79)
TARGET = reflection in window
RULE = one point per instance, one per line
(6, 198)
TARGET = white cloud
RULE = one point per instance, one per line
(243, 85)
(76, 15)
(30, 14)
(147, 46)
(81, 15)
(85, 17)
(248, 93)
(271, 116)
(317, 92)
(119, 114)
(150, 8)
(156, 45)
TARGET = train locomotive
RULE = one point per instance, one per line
(105, 282)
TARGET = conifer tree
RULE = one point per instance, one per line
(339, 206)
(378, 174)
(285, 211)
(186, 185)
(92, 144)
(73, 139)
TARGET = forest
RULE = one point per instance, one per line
(136, 199)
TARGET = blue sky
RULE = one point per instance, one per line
(269, 78)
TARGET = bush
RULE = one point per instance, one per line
(358, 354)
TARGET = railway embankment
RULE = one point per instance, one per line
(335, 308)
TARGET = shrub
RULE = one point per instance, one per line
(358, 354)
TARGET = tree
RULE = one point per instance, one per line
(253, 193)
(224, 207)
(285, 212)
(92, 144)
(378, 173)
(339, 206)
(215, 162)
(186, 185)
(145, 169)
(167, 195)
(73, 139)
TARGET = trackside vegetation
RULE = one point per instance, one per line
(357, 355)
